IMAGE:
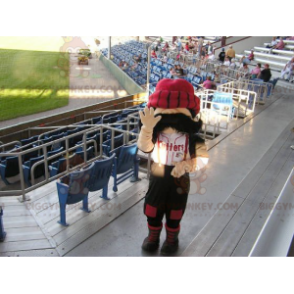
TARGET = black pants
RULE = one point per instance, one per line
(166, 196)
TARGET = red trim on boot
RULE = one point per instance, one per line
(154, 228)
(154, 233)
(172, 234)
(171, 229)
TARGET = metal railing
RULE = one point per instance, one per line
(19, 153)
(243, 101)
(262, 90)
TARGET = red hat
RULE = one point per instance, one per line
(177, 93)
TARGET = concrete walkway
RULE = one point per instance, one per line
(231, 161)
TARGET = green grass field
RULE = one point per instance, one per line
(33, 75)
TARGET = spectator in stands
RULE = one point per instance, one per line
(273, 43)
(158, 44)
(187, 49)
(121, 63)
(222, 55)
(244, 72)
(153, 54)
(203, 53)
(210, 57)
(165, 47)
(200, 44)
(227, 61)
(179, 71)
(174, 39)
(209, 48)
(164, 59)
(279, 46)
(191, 45)
(138, 58)
(209, 84)
(233, 63)
(251, 55)
(230, 52)
(288, 69)
(265, 74)
(179, 45)
(126, 65)
(172, 72)
(244, 60)
(256, 71)
(134, 66)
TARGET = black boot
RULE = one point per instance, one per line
(171, 244)
(151, 243)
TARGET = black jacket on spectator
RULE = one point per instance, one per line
(222, 56)
(265, 74)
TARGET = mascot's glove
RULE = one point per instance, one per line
(191, 165)
(186, 166)
(147, 118)
(148, 123)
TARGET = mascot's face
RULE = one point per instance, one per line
(175, 120)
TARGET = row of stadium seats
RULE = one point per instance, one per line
(9, 165)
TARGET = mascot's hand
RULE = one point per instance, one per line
(147, 118)
(183, 167)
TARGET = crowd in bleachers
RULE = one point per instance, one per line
(277, 54)
(132, 59)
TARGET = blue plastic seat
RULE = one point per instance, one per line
(40, 169)
(117, 142)
(100, 176)
(29, 140)
(9, 167)
(59, 166)
(72, 189)
(52, 138)
(96, 136)
(126, 163)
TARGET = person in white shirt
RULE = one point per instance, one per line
(227, 62)
(211, 57)
(164, 59)
(288, 69)
(179, 45)
(233, 63)
(273, 43)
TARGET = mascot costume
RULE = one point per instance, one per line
(169, 130)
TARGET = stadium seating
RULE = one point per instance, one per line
(100, 176)
(72, 189)
(117, 142)
(9, 167)
(39, 169)
(126, 164)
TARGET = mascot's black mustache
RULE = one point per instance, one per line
(180, 122)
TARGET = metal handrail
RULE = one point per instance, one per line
(10, 143)
(46, 159)
(19, 154)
